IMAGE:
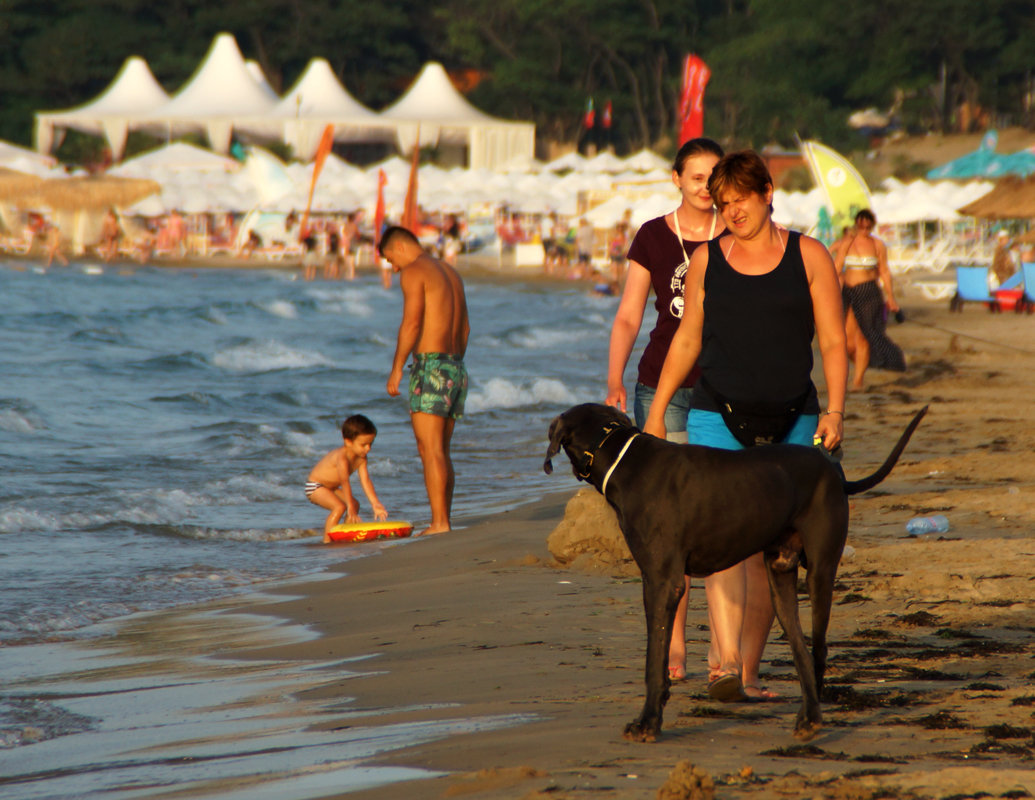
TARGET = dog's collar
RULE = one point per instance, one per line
(586, 459)
(621, 454)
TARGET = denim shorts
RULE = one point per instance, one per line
(707, 428)
(675, 415)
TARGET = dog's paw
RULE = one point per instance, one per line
(805, 730)
(638, 731)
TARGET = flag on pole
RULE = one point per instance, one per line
(379, 209)
(324, 148)
(589, 118)
(606, 121)
(843, 186)
(691, 98)
(409, 216)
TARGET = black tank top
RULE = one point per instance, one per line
(756, 342)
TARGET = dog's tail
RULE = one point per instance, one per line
(854, 487)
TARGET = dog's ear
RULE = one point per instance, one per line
(556, 437)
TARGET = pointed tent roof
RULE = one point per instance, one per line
(433, 106)
(133, 91)
(220, 91)
(255, 70)
(316, 100)
(319, 93)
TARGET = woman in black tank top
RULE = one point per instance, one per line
(754, 299)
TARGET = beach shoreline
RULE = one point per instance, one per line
(931, 641)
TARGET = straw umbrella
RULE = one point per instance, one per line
(81, 201)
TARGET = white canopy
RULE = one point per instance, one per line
(133, 92)
(316, 100)
(434, 106)
(220, 92)
(174, 157)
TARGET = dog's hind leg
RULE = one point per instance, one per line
(783, 583)
(661, 595)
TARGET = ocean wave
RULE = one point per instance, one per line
(284, 309)
(17, 417)
(541, 338)
(267, 356)
(352, 302)
(503, 393)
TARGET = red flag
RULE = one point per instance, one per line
(409, 216)
(589, 119)
(379, 209)
(607, 115)
(326, 142)
(691, 98)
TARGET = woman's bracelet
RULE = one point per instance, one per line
(842, 413)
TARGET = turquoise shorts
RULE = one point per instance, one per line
(707, 428)
(438, 385)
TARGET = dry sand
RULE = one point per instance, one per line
(930, 688)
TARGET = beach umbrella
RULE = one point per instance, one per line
(646, 161)
(70, 194)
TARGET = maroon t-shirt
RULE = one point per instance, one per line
(656, 249)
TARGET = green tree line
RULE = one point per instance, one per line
(779, 67)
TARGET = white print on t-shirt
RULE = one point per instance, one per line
(675, 308)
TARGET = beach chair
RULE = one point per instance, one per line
(972, 287)
(1027, 273)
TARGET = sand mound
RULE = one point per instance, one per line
(589, 538)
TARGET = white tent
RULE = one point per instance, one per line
(316, 100)
(174, 157)
(133, 92)
(443, 115)
(255, 70)
(220, 92)
(22, 159)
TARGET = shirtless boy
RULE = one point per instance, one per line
(434, 329)
(328, 484)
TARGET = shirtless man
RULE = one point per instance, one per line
(434, 329)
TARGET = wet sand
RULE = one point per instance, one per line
(932, 642)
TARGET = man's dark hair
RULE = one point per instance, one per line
(357, 425)
(394, 232)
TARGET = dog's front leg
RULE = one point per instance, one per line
(660, 597)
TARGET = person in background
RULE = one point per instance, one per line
(755, 298)
(658, 259)
(868, 295)
(1004, 264)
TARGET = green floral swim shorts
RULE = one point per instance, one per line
(438, 385)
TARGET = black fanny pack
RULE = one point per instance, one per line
(757, 423)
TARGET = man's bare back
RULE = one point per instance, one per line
(444, 326)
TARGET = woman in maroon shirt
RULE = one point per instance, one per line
(658, 259)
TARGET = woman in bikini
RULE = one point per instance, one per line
(862, 262)
(658, 259)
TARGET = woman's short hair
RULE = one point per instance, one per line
(867, 215)
(695, 147)
(743, 171)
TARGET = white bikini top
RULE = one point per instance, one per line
(860, 262)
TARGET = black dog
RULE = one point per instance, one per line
(698, 510)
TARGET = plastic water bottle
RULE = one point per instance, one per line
(918, 526)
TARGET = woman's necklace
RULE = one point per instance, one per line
(694, 228)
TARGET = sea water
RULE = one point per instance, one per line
(157, 426)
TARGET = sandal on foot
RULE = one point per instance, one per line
(759, 694)
(676, 673)
(727, 689)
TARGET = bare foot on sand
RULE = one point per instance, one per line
(432, 529)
